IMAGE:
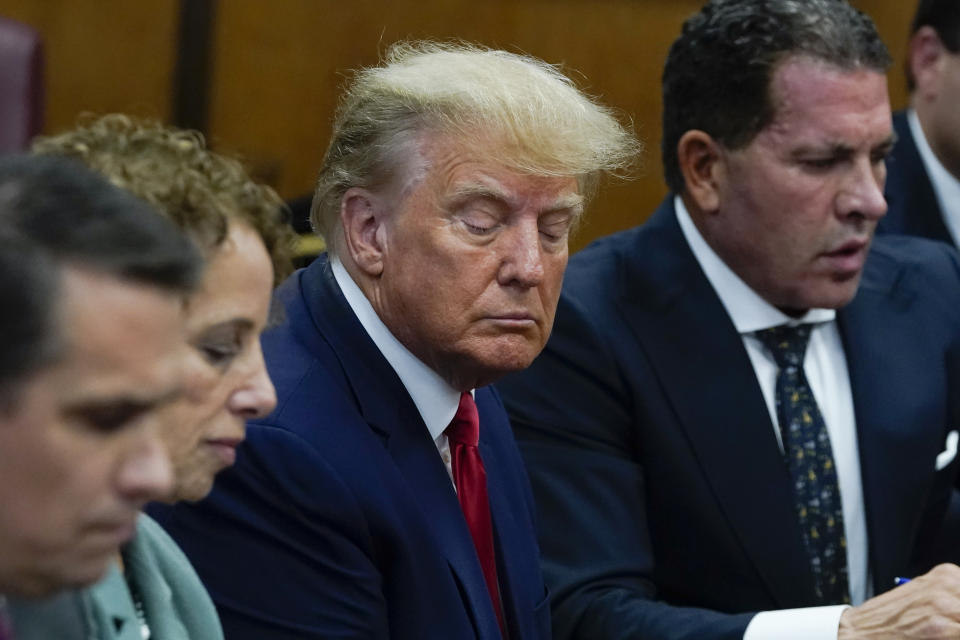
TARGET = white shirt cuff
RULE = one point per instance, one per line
(811, 623)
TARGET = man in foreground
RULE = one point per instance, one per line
(385, 496)
(93, 283)
(746, 415)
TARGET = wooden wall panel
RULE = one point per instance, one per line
(278, 67)
(893, 22)
(103, 55)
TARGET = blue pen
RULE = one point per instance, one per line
(899, 581)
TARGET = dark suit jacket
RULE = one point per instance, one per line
(664, 503)
(339, 519)
(913, 209)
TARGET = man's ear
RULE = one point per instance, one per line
(700, 160)
(364, 233)
(925, 57)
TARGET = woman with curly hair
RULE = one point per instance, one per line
(239, 225)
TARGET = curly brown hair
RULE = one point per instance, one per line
(201, 191)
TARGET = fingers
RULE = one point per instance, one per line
(927, 607)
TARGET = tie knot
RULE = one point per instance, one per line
(786, 343)
(465, 426)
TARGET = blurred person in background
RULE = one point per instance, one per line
(93, 284)
(239, 227)
(923, 171)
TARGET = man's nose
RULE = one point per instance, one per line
(145, 473)
(522, 259)
(863, 193)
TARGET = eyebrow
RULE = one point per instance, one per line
(240, 324)
(572, 201)
(128, 404)
(838, 149)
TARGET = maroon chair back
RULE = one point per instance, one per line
(21, 85)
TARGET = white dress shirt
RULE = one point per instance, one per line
(825, 366)
(945, 185)
(434, 398)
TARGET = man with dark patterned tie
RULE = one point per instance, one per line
(746, 417)
(385, 497)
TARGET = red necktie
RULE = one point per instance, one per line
(471, 482)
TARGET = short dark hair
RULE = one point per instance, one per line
(944, 17)
(27, 282)
(77, 217)
(62, 214)
(718, 72)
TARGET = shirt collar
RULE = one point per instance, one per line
(945, 185)
(434, 398)
(748, 311)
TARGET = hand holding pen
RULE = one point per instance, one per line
(927, 606)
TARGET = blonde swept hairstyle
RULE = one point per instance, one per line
(199, 190)
(538, 121)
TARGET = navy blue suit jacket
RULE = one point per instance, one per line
(665, 506)
(912, 207)
(339, 519)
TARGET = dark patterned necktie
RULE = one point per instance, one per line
(809, 457)
(470, 479)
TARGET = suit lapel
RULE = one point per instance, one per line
(896, 446)
(711, 385)
(390, 411)
(507, 530)
(416, 456)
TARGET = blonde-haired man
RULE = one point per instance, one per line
(365, 505)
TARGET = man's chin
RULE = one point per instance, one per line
(92, 569)
(79, 576)
(494, 366)
(835, 294)
(838, 298)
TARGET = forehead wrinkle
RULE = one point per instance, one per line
(802, 83)
(819, 140)
(841, 148)
(571, 201)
